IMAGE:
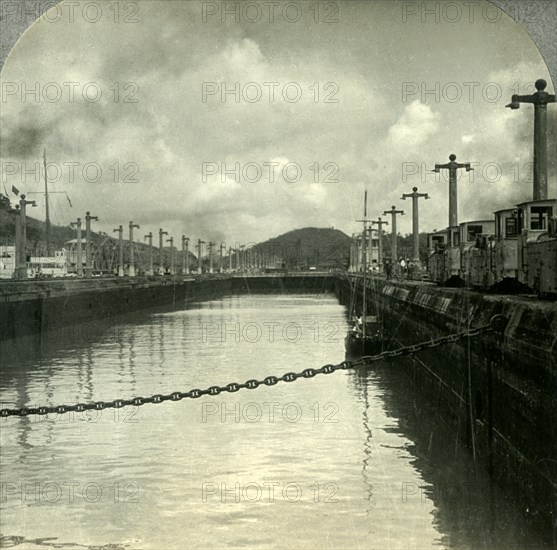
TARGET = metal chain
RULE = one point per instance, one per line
(497, 323)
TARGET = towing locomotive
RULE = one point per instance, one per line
(514, 252)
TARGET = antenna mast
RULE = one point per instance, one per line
(47, 220)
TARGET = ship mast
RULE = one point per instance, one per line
(47, 212)
(364, 258)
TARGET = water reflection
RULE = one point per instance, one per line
(371, 471)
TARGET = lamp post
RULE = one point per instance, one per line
(393, 212)
(185, 255)
(221, 265)
(149, 238)
(415, 196)
(88, 255)
(18, 271)
(452, 167)
(131, 270)
(79, 254)
(380, 223)
(120, 232)
(161, 251)
(210, 247)
(539, 99)
(199, 266)
(21, 251)
(171, 241)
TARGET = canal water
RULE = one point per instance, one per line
(337, 461)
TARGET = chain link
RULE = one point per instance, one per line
(497, 324)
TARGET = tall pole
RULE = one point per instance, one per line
(47, 207)
(230, 260)
(380, 223)
(120, 232)
(452, 167)
(540, 99)
(185, 255)
(20, 272)
(221, 266)
(171, 241)
(21, 257)
(131, 270)
(161, 251)
(393, 212)
(79, 253)
(88, 255)
(210, 250)
(415, 196)
(199, 266)
(150, 239)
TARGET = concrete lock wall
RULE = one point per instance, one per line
(511, 400)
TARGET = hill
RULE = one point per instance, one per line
(323, 248)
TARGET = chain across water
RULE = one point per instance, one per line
(497, 323)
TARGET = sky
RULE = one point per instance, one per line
(331, 102)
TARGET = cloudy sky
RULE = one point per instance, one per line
(356, 115)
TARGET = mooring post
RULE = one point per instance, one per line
(540, 99)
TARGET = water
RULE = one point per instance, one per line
(337, 461)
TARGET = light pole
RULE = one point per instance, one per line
(120, 232)
(540, 99)
(210, 247)
(18, 271)
(380, 223)
(415, 196)
(221, 265)
(171, 241)
(185, 255)
(161, 251)
(88, 255)
(149, 238)
(21, 258)
(199, 266)
(452, 167)
(131, 270)
(79, 254)
(393, 212)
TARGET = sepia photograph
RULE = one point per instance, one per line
(278, 274)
